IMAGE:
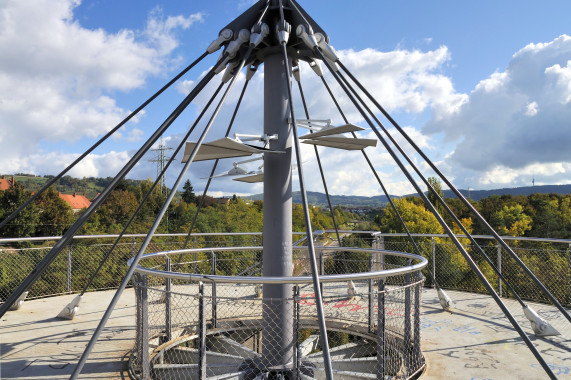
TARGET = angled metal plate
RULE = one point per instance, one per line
(340, 142)
(222, 148)
(251, 178)
(333, 131)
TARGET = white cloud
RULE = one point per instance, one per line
(514, 120)
(57, 77)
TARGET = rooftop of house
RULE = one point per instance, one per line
(6, 183)
(76, 201)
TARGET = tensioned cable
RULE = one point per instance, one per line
(460, 196)
(155, 225)
(438, 197)
(101, 140)
(320, 167)
(389, 198)
(461, 248)
(314, 272)
(150, 191)
(56, 249)
(201, 203)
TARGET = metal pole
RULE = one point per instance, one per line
(433, 246)
(201, 333)
(407, 330)
(277, 342)
(381, 330)
(499, 270)
(69, 249)
(371, 301)
(146, 365)
(297, 327)
(214, 309)
(168, 305)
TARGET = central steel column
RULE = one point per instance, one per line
(277, 337)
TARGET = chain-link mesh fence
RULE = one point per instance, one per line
(75, 264)
(220, 329)
(550, 263)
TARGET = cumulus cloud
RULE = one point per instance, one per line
(407, 81)
(516, 121)
(57, 77)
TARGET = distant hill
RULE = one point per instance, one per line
(526, 190)
(354, 201)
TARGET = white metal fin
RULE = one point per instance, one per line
(71, 309)
(445, 301)
(539, 325)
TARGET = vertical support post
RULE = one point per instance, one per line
(201, 333)
(407, 327)
(381, 242)
(214, 306)
(381, 330)
(416, 321)
(321, 267)
(133, 246)
(371, 299)
(499, 265)
(145, 362)
(168, 307)
(277, 341)
(69, 252)
(297, 327)
(433, 254)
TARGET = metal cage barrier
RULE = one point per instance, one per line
(193, 326)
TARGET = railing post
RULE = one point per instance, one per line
(144, 327)
(407, 327)
(201, 333)
(499, 265)
(416, 322)
(69, 251)
(214, 308)
(381, 330)
(168, 318)
(133, 246)
(296, 337)
(371, 300)
(321, 267)
(433, 254)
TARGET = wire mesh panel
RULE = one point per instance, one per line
(223, 329)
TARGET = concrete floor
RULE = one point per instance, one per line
(475, 342)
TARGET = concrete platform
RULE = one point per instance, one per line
(475, 342)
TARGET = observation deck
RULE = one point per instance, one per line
(474, 341)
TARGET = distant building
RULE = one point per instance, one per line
(6, 183)
(76, 201)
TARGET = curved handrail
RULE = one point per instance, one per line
(421, 263)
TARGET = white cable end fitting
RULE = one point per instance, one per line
(327, 49)
(296, 73)
(259, 33)
(539, 325)
(306, 35)
(229, 73)
(283, 30)
(316, 66)
(224, 36)
(251, 71)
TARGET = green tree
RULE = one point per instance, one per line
(432, 197)
(54, 214)
(511, 220)
(24, 225)
(188, 193)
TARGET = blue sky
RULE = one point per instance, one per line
(484, 87)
